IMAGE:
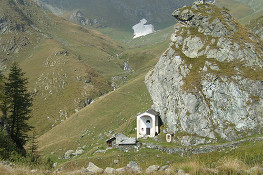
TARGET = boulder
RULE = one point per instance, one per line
(100, 151)
(93, 169)
(116, 161)
(79, 151)
(133, 168)
(152, 169)
(163, 168)
(110, 170)
(181, 172)
(121, 170)
(68, 154)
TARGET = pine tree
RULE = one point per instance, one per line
(18, 105)
(2, 103)
(33, 148)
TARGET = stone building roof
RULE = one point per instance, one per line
(121, 139)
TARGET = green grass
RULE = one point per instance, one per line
(115, 111)
(105, 114)
(244, 157)
(91, 55)
(243, 10)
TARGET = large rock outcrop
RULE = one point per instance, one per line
(79, 18)
(208, 85)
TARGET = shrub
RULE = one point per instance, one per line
(6, 145)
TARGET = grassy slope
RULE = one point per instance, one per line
(123, 99)
(58, 89)
(256, 26)
(243, 10)
(126, 36)
(58, 78)
(93, 48)
(115, 111)
(226, 161)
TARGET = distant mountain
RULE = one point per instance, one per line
(256, 5)
(123, 13)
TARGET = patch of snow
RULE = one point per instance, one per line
(142, 29)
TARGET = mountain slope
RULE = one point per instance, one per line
(67, 65)
(243, 10)
(116, 112)
(124, 13)
(112, 113)
(256, 26)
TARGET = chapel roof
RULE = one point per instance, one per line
(153, 112)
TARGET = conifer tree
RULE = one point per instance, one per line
(18, 105)
(3, 116)
(33, 148)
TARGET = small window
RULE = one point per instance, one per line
(148, 121)
(142, 129)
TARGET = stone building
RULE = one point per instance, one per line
(121, 140)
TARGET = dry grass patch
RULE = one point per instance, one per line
(231, 166)
(5, 170)
(192, 167)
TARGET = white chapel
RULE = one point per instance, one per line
(148, 124)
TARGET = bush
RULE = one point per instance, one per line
(6, 145)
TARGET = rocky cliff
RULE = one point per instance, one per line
(208, 85)
(13, 23)
(79, 18)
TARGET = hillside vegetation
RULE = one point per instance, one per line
(112, 112)
(82, 95)
(116, 113)
(243, 10)
(67, 65)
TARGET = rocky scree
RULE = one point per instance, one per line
(208, 85)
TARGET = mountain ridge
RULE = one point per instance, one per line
(124, 14)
